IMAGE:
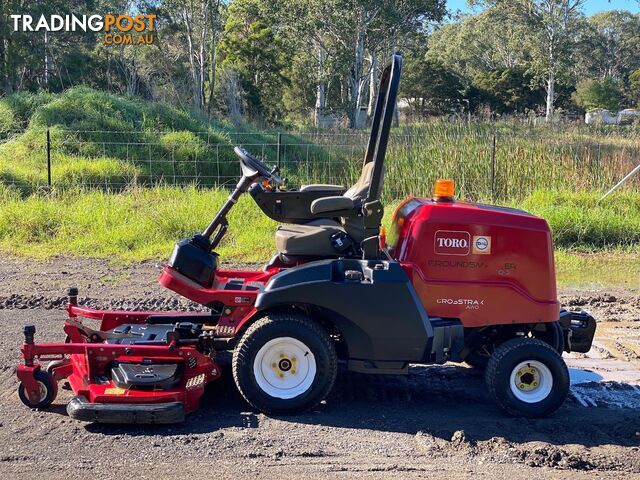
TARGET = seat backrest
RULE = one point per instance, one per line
(358, 193)
(368, 188)
(360, 189)
(381, 125)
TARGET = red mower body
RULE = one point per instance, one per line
(481, 264)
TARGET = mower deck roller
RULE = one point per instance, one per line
(454, 281)
(162, 413)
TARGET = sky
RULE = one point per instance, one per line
(590, 7)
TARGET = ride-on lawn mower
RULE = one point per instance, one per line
(454, 281)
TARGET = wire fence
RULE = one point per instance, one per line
(485, 164)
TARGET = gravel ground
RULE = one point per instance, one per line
(436, 420)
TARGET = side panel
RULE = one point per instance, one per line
(378, 311)
(484, 265)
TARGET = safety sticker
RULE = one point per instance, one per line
(481, 245)
(114, 391)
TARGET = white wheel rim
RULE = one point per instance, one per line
(43, 391)
(531, 381)
(284, 368)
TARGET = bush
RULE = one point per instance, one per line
(592, 94)
(7, 119)
(103, 139)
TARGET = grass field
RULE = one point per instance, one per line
(145, 223)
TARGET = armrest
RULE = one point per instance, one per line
(331, 204)
(322, 187)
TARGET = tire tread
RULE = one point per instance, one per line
(242, 352)
(492, 372)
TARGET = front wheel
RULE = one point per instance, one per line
(48, 390)
(527, 378)
(284, 363)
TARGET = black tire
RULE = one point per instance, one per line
(281, 325)
(503, 362)
(553, 335)
(49, 391)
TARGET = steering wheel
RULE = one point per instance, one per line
(252, 162)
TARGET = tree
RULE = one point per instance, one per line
(617, 44)
(478, 44)
(508, 90)
(198, 21)
(350, 36)
(592, 94)
(610, 48)
(255, 52)
(430, 88)
(552, 25)
(634, 87)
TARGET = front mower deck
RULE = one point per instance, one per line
(138, 367)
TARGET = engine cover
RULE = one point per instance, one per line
(146, 376)
(479, 263)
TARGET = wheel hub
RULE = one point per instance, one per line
(528, 379)
(531, 381)
(285, 365)
(284, 368)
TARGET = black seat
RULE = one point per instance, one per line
(314, 238)
(326, 237)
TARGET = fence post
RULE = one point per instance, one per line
(493, 168)
(48, 158)
(278, 149)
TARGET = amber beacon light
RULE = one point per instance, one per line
(444, 190)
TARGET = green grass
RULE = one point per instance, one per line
(100, 139)
(128, 226)
(579, 222)
(606, 268)
(595, 243)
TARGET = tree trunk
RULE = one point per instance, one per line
(47, 60)
(551, 84)
(232, 91)
(373, 83)
(202, 70)
(356, 78)
(195, 76)
(2, 61)
(321, 96)
(8, 67)
(212, 63)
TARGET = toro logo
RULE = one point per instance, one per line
(452, 242)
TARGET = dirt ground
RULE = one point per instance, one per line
(435, 421)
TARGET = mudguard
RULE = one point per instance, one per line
(376, 307)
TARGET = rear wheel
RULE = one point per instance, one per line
(284, 363)
(47, 394)
(527, 378)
